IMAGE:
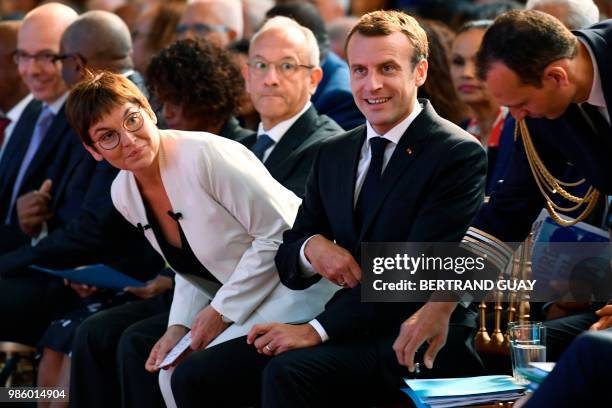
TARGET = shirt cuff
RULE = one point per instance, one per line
(44, 231)
(305, 266)
(319, 329)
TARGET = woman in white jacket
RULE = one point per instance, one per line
(206, 204)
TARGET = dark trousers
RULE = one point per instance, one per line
(337, 373)
(108, 358)
(581, 377)
(561, 332)
(29, 302)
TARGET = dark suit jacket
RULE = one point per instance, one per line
(433, 185)
(233, 130)
(333, 96)
(571, 144)
(291, 160)
(58, 158)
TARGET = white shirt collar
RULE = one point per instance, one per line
(56, 105)
(395, 133)
(596, 96)
(277, 131)
(15, 113)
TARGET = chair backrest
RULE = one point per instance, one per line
(517, 305)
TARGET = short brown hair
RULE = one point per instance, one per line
(96, 96)
(526, 41)
(386, 22)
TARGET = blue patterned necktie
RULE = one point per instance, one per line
(40, 130)
(261, 145)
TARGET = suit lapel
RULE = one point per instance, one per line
(17, 146)
(347, 175)
(408, 148)
(297, 134)
(53, 138)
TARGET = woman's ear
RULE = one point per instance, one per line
(94, 153)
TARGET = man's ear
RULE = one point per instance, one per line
(316, 75)
(97, 156)
(556, 71)
(420, 72)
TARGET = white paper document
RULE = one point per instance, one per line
(180, 347)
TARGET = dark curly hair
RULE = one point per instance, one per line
(199, 76)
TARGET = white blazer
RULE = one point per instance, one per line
(233, 216)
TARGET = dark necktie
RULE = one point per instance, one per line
(4, 122)
(261, 145)
(371, 185)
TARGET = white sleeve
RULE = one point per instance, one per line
(187, 302)
(236, 179)
(319, 329)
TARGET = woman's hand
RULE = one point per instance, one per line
(207, 326)
(172, 336)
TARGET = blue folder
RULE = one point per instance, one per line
(100, 276)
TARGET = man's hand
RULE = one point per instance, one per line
(207, 325)
(81, 289)
(163, 346)
(33, 209)
(273, 339)
(605, 318)
(154, 287)
(429, 323)
(333, 262)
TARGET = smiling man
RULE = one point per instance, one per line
(407, 175)
(42, 146)
(40, 187)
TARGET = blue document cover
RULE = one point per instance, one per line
(455, 392)
(100, 276)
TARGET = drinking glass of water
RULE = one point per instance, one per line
(527, 345)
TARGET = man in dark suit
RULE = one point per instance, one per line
(83, 239)
(333, 95)
(408, 175)
(291, 131)
(13, 91)
(40, 187)
(557, 87)
(40, 160)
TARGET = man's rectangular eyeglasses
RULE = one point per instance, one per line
(286, 69)
(43, 57)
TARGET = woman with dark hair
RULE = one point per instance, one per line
(488, 118)
(198, 86)
(439, 87)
